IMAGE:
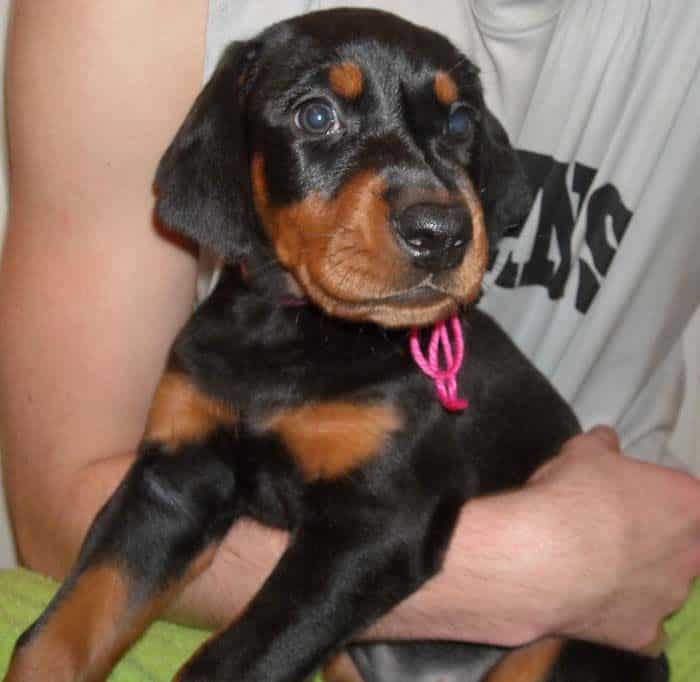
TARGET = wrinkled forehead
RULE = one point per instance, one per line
(360, 53)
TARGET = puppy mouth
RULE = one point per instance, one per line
(425, 293)
(344, 254)
(419, 305)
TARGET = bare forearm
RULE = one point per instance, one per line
(455, 605)
(50, 525)
(486, 591)
(478, 596)
(596, 547)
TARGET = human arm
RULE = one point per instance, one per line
(91, 293)
(597, 546)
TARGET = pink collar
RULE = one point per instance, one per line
(445, 379)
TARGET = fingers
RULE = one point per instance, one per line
(599, 439)
(607, 436)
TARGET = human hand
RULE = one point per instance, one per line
(596, 546)
(635, 530)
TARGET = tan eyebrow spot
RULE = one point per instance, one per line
(346, 80)
(445, 88)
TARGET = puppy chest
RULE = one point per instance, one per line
(330, 439)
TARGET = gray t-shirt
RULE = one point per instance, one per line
(602, 99)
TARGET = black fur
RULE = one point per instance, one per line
(202, 178)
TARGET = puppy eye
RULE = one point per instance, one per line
(459, 121)
(317, 117)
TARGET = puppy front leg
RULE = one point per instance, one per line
(340, 573)
(157, 531)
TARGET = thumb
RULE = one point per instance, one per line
(607, 436)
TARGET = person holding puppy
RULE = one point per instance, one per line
(92, 293)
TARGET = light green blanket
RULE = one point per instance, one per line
(156, 658)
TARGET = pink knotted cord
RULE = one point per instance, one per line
(445, 379)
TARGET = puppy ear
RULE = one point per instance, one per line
(505, 191)
(202, 182)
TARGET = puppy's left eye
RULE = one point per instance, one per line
(459, 121)
(317, 117)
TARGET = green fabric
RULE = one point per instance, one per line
(155, 658)
(161, 651)
(684, 633)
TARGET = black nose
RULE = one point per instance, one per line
(434, 235)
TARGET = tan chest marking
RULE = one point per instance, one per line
(529, 664)
(181, 413)
(328, 440)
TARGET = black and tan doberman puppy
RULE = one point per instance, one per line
(344, 166)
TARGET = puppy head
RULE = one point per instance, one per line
(355, 150)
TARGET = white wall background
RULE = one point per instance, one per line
(7, 556)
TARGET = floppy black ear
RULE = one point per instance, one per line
(505, 191)
(202, 182)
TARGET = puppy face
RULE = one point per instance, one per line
(355, 149)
